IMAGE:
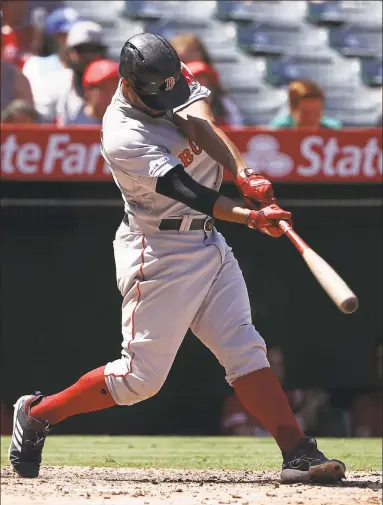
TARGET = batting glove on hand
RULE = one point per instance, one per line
(255, 187)
(265, 220)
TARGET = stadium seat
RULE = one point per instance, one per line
(260, 104)
(278, 12)
(171, 9)
(359, 106)
(218, 38)
(364, 41)
(193, 9)
(263, 39)
(261, 46)
(243, 73)
(104, 13)
(371, 70)
(325, 67)
(338, 12)
(150, 10)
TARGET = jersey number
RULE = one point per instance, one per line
(187, 156)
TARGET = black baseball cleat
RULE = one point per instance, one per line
(28, 438)
(304, 463)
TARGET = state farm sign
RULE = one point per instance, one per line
(46, 152)
(52, 154)
(328, 155)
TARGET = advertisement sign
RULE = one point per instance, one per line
(50, 153)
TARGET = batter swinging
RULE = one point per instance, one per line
(174, 270)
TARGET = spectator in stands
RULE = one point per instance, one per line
(45, 73)
(225, 110)
(190, 48)
(19, 38)
(100, 82)
(57, 25)
(14, 85)
(306, 405)
(84, 44)
(367, 417)
(20, 112)
(306, 101)
(191, 51)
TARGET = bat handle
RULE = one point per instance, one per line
(284, 226)
(291, 234)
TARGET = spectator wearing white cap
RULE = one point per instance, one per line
(84, 44)
(45, 73)
(100, 81)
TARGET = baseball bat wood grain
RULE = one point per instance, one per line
(330, 281)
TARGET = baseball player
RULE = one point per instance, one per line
(173, 269)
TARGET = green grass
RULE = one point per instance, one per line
(194, 452)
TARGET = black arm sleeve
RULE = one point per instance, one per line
(178, 185)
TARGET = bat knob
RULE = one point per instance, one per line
(349, 305)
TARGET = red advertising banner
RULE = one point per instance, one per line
(50, 153)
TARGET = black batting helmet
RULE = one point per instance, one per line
(152, 67)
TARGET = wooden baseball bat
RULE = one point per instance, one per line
(330, 281)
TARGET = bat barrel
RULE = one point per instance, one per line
(349, 305)
(330, 281)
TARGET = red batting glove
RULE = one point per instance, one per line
(265, 220)
(255, 187)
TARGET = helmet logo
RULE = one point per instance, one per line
(170, 82)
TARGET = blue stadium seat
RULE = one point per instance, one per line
(178, 10)
(260, 104)
(243, 73)
(279, 12)
(217, 37)
(104, 13)
(372, 71)
(325, 67)
(359, 106)
(337, 12)
(168, 28)
(150, 10)
(264, 39)
(364, 41)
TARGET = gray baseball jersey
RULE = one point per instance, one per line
(139, 149)
(170, 280)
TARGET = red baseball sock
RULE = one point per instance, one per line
(88, 394)
(262, 395)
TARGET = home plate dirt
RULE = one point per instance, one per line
(132, 486)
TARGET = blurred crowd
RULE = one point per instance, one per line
(314, 407)
(55, 69)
